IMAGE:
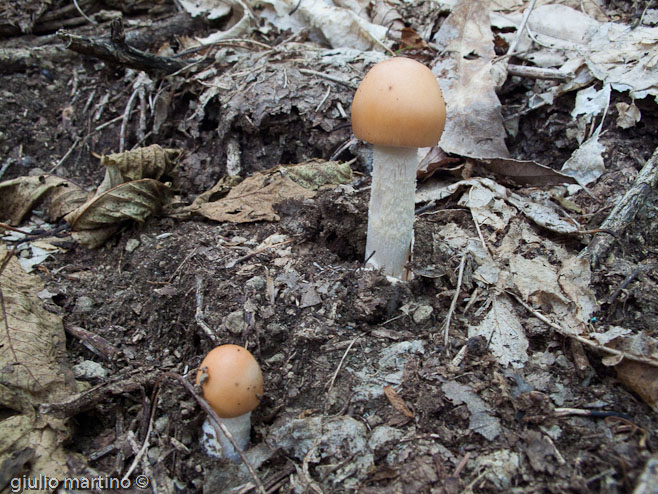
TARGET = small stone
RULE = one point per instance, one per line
(422, 314)
(84, 305)
(234, 322)
(131, 245)
(257, 283)
(88, 370)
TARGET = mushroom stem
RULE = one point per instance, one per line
(391, 211)
(216, 444)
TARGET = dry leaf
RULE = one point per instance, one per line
(397, 402)
(411, 40)
(100, 217)
(255, 197)
(147, 162)
(629, 115)
(474, 126)
(503, 331)
(482, 420)
(526, 172)
(21, 195)
(32, 371)
(641, 378)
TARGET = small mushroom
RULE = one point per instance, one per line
(398, 108)
(232, 384)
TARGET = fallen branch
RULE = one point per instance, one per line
(87, 400)
(117, 51)
(624, 212)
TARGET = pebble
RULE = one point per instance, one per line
(234, 322)
(88, 370)
(422, 314)
(131, 245)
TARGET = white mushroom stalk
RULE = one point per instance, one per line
(398, 108)
(391, 210)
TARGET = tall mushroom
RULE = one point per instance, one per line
(232, 384)
(398, 108)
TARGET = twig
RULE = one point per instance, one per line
(91, 21)
(119, 384)
(584, 341)
(217, 422)
(623, 285)
(96, 343)
(545, 73)
(624, 212)
(232, 264)
(145, 445)
(328, 77)
(340, 364)
(198, 315)
(117, 51)
(65, 157)
(5, 166)
(519, 31)
(453, 304)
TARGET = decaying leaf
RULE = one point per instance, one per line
(255, 197)
(475, 127)
(94, 222)
(21, 195)
(340, 26)
(147, 162)
(526, 172)
(629, 115)
(641, 378)
(212, 9)
(32, 371)
(503, 331)
(481, 421)
(398, 403)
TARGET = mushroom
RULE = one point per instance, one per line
(398, 108)
(232, 384)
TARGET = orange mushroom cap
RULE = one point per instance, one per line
(233, 381)
(399, 104)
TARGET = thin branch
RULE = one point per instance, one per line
(453, 304)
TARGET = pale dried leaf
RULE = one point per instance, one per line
(482, 420)
(504, 332)
(147, 162)
(21, 195)
(574, 279)
(586, 163)
(625, 58)
(339, 26)
(32, 371)
(98, 219)
(254, 198)
(545, 215)
(487, 206)
(211, 9)
(32, 339)
(396, 400)
(474, 126)
(526, 172)
(629, 115)
(591, 103)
